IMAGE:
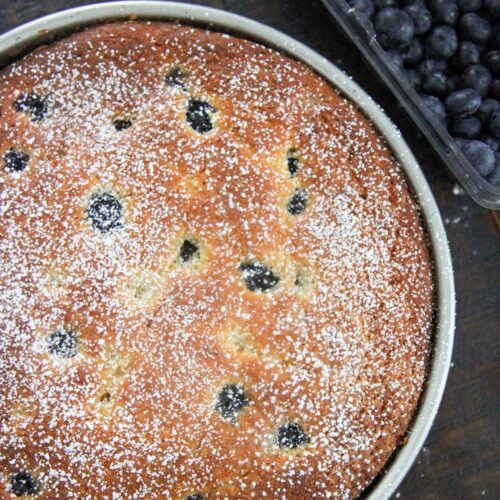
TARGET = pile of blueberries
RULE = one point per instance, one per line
(449, 50)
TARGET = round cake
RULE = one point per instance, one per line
(214, 281)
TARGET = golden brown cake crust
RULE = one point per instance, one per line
(127, 402)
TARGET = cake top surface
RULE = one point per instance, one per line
(213, 282)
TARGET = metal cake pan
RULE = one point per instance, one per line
(41, 31)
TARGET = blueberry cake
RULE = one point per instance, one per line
(214, 281)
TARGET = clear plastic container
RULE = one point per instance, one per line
(360, 30)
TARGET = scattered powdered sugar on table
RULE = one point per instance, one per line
(173, 322)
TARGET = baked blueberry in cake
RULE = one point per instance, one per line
(214, 282)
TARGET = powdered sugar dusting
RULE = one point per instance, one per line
(339, 344)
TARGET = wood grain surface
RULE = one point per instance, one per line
(461, 458)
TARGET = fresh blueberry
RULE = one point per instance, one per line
(451, 83)
(176, 78)
(293, 162)
(365, 7)
(495, 124)
(414, 78)
(421, 17)
(487, 107)
(15, 160)
(468, 53)
(459, 141)
(474, 28)
(492, 61)
(469, 5)
(431, 66)
(395, 58)
(476, 77)
(291, 435)
(231, 400)
(105, 212)
(435, 105)
(468, 128)
(188, 251)
(63, 343)
(394, 28)
(23, 484)
(494, 177)
(442, 42)
(444, 11)
(258, 277)
(298, 202)
(494, 41)
(480, 155)
(414, 52)
(462, 103)
(493, 8)
(122, 124)
(495, 89)
(380, 4)
(492, 142)
(435, 85)
(199, 115)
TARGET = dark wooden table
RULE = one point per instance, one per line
(461, 458)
